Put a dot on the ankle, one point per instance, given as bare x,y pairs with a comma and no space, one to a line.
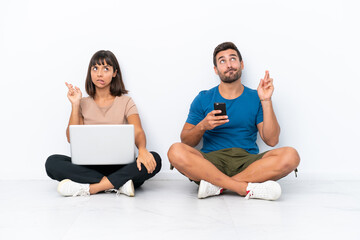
242,188
93,189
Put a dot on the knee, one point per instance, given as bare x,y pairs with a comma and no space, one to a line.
290,159
51,164
56,162
177,154
157,160
174,152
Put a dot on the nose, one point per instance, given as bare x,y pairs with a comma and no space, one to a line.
228,64
99,72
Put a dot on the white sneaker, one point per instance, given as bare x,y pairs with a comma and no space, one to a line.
69,188
126,189
207,189
269,190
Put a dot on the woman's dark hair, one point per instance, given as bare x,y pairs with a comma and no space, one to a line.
117,87
225,46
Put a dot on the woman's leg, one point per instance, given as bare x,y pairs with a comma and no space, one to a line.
59,167
130,171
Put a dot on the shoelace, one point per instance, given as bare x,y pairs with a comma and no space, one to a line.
250,193
117,191
82,193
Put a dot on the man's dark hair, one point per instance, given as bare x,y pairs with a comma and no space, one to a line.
225,46
117,87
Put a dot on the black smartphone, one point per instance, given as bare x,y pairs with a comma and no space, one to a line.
220,106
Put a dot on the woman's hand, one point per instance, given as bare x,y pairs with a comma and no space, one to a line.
146,158
74,94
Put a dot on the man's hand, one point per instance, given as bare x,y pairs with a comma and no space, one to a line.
266,87
146,158
211,121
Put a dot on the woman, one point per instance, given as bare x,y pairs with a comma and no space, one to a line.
106,104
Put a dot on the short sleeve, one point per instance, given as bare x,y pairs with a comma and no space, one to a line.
80,109
83,105
196,113
130,108
259,115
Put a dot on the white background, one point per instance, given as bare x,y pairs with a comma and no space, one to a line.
165,52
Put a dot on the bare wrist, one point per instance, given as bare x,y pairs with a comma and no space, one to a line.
201,126
142,149
75,105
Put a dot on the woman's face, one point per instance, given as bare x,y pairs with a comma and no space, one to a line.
101,75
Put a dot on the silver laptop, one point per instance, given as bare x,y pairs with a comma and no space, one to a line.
102,144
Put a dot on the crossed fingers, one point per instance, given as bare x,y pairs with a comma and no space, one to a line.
72,90
267,81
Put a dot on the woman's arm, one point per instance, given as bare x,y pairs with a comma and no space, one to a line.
74,95
145,157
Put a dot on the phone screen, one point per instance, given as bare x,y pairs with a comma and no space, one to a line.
220,106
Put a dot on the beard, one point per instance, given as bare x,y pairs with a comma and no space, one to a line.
232,77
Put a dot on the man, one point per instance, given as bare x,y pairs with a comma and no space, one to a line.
230,157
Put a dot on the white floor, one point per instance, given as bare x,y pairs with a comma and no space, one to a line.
171,210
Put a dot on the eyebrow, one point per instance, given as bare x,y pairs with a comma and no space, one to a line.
231,55
220,57
97,65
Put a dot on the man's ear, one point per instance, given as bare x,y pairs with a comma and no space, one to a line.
216,71
242,65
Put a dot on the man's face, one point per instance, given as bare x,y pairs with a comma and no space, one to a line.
229,67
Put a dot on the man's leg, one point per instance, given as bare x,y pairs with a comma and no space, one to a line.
192,164
274,165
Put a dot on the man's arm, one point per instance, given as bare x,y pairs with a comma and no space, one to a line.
269,129
192,134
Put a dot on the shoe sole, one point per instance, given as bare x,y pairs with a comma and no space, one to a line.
132,194
201,189
59,186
